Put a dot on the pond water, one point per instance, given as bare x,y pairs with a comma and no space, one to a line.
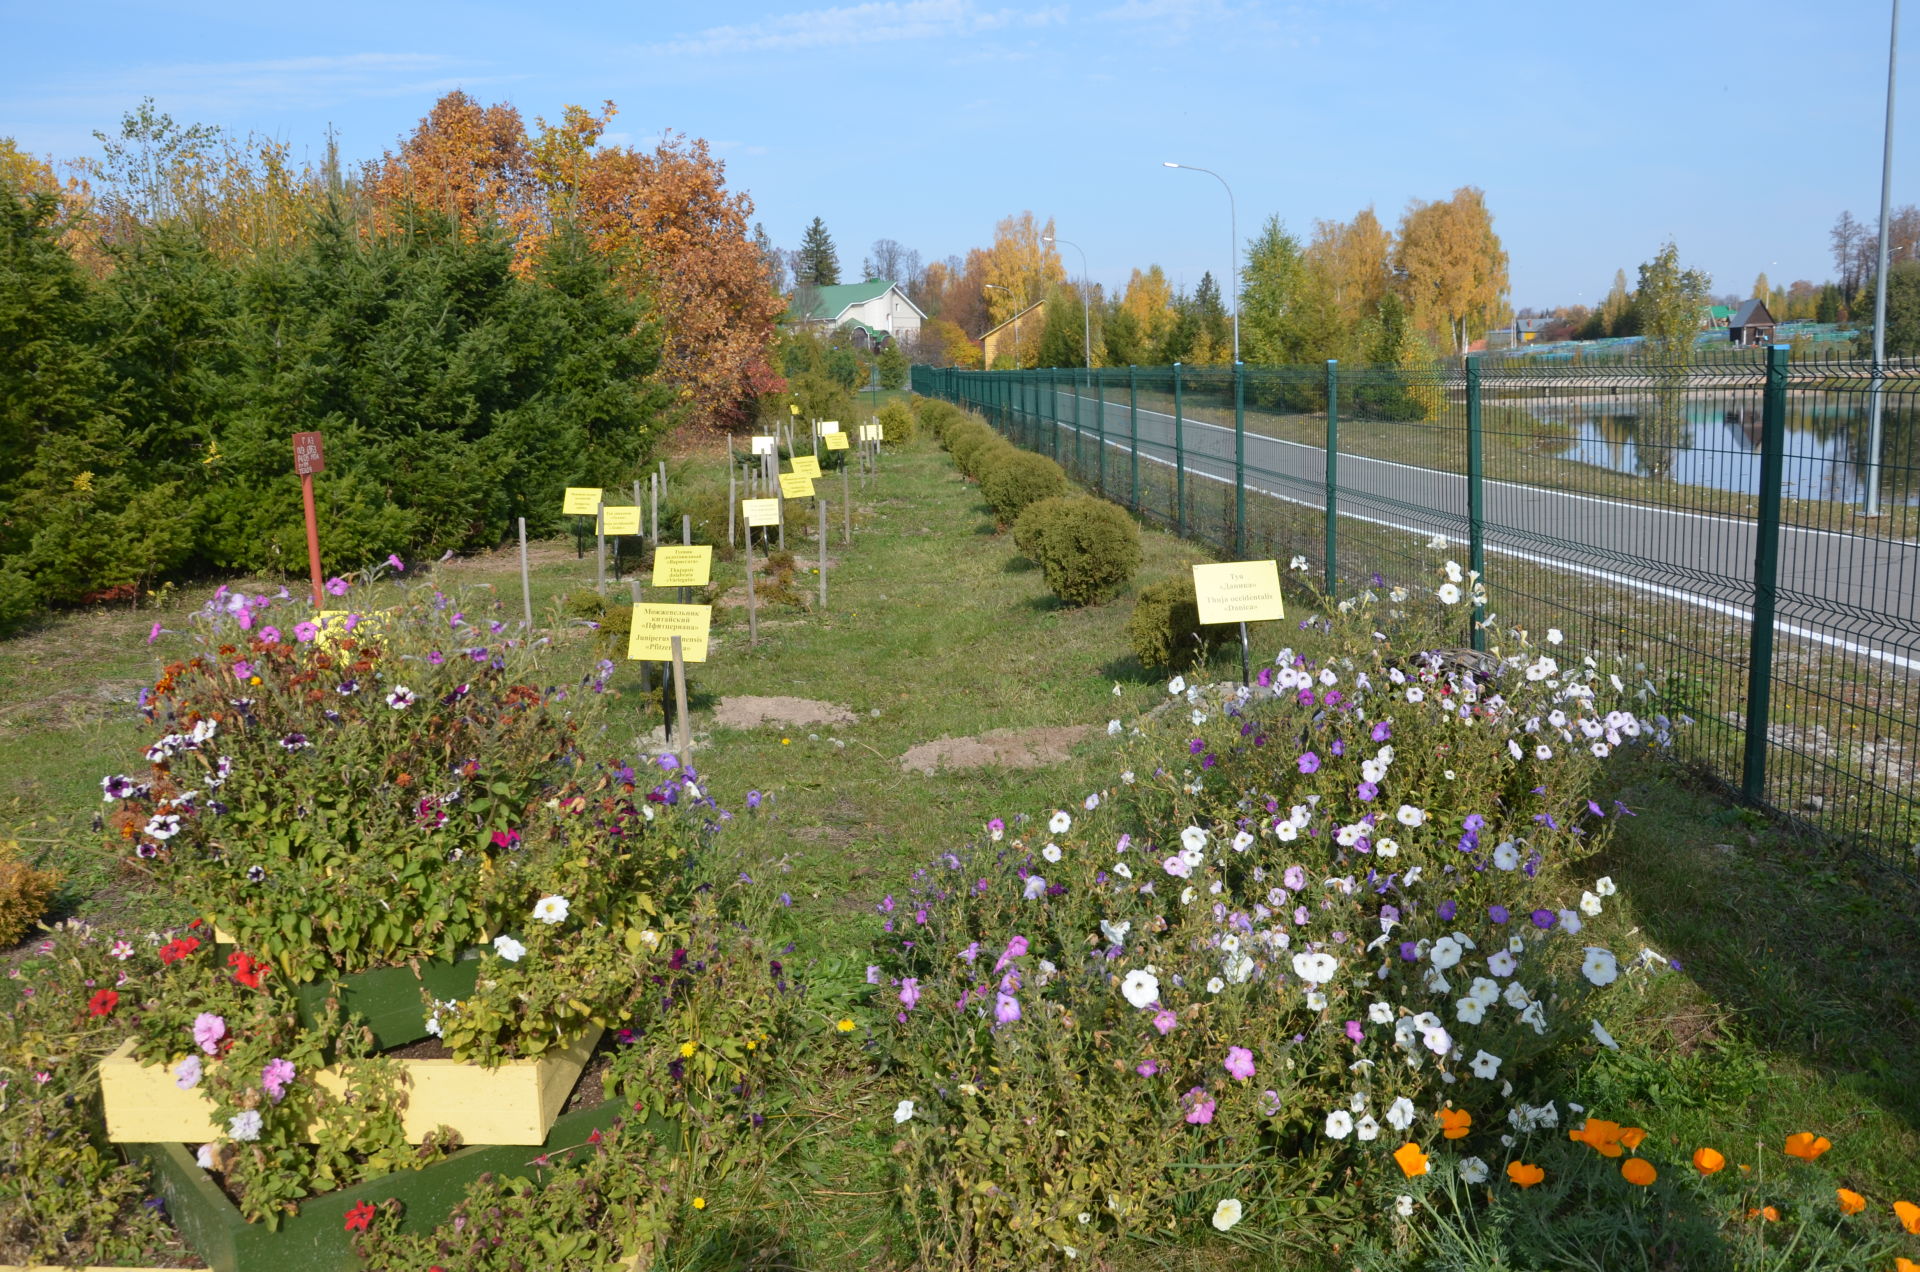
1719,445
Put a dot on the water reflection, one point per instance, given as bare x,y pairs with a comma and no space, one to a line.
1717,444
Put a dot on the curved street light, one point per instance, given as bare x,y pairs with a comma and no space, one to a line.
1086,287
1233,225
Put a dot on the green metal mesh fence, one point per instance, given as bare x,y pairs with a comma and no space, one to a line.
1663,513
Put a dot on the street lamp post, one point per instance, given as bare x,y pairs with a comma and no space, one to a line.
1872,502
1086,287
1017,309
1233,226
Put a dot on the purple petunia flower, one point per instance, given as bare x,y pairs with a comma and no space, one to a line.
1544,919
1446,910
1498,913
1309,763
1382,731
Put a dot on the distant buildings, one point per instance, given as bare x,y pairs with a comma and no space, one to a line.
877,310
999,340
1751,326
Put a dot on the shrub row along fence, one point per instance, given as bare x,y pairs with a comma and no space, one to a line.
1745,531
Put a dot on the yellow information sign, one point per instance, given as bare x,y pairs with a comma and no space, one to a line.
836,441
761,512
793,408
620,520
1238,592
581,501
796,486
766,446
873,433
654,627
682,565
806,465
827,428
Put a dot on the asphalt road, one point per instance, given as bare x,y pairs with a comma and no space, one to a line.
1844,591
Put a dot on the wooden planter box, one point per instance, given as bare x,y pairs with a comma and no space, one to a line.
316,1239
387,998
513,1104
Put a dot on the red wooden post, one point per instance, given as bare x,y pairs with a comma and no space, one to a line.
308,459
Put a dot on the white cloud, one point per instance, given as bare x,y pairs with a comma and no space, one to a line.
1178,13
882,22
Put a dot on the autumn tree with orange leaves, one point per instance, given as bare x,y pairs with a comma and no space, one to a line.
665,219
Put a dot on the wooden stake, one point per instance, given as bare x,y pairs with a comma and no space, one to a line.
823,555
526,584
680,701
600,549
753,618
846,507
732,492
654,481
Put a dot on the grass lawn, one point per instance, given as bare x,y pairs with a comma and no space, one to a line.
1798,1007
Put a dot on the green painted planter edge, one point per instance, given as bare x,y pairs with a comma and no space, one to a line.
316,1239
388,998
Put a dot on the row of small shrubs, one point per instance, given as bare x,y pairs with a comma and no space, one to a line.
1164,630
1087,547
897,423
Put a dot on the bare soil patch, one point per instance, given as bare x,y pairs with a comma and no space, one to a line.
750,712
1005,748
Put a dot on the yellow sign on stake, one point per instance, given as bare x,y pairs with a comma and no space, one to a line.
1239,592
836,441
793,408
620,520
796,486
581,501
806,465
655,626
761,512
682,565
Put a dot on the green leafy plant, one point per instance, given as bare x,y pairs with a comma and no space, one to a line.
24,893
898,422
1089,549
1164,630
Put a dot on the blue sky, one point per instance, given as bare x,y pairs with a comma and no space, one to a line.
1596,129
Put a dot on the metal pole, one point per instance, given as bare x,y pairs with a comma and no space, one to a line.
753,616
1233,228
1133,438
526,583
1333,473
1079,463
1239,460
732,499
1766,573
1179,460
1476,502
1872,508
823,554
1100,427
846,506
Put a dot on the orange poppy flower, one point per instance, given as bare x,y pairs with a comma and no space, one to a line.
1903,1264
1909,1216
1638,1171
1806,1145
1454,1122
1765,1212
1708,1160
1601,1136
1851,1202
1631,1137
1412,1160
1524,1174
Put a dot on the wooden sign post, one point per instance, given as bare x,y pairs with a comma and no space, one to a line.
600,549
837,441
757,512
680,701
1239,592
823,555
308,459
526,584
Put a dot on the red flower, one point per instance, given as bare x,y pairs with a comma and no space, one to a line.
173,951
246,969
103,1003
360,1216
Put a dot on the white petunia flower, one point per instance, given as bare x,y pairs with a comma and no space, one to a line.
1600,967
1380,1013
508,948
1366,1129
1470,1010
1315,969
1339,1124
1177,685
1486,1065
902,1111
1227,1213
1604,1038
1113,728
1215,985
1589,904
1445,953
1604,885
1141,988
1193,839
1400,1114
1554,636
1036,888
1502,963
1506,856
1448,593
1061,822
1388,848
550,910
1410,816
1051,852
1242,841
1473,1171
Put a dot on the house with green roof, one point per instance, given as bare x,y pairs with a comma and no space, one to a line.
877,310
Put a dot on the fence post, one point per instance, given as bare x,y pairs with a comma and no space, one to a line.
1079,435
1179,460
1333,470
1476,503
1133,438
1239,460
1766,574
1100,429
